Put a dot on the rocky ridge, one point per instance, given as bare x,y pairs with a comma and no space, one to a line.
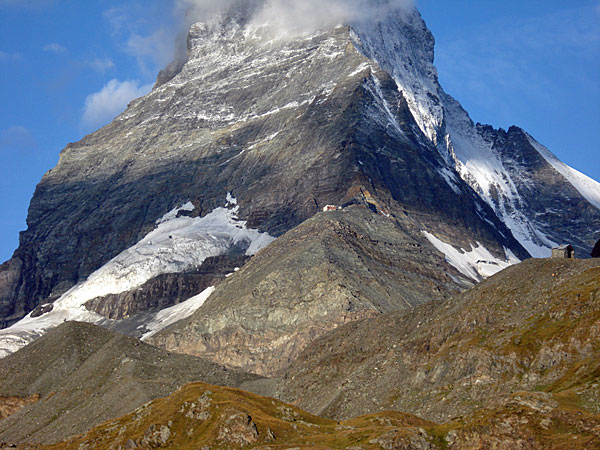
540,199
337,267
534,326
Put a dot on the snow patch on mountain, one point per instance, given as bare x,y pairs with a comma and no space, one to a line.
402,45
30,328
189,207
176,245
175,313
587,187
477,263
451,180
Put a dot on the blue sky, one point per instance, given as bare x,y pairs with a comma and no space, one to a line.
68,66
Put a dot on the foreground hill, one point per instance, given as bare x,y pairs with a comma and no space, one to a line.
533,326
201,416
514,362
82,375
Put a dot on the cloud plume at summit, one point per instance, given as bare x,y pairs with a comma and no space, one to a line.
291,16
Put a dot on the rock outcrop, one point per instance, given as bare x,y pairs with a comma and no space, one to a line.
335,268
235,419
166,290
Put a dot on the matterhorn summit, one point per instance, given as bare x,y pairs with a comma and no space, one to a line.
207,194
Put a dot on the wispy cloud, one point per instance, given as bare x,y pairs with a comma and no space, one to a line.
103,106
290,16
100,64
155,50
30,4
17,138
146,31
118,20
4,56
54,48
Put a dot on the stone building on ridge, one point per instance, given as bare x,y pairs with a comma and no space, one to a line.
563,252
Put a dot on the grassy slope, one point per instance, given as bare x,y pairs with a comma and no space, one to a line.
205,416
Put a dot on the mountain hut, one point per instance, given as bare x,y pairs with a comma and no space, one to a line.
563,252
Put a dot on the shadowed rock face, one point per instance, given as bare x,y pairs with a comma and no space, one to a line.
166,290
10,278
548,200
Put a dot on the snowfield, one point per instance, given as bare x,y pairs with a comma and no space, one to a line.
175,313
177,244
477,263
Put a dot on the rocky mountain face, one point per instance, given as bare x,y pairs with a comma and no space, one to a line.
506,169
246,142
286,126
167,289
545,197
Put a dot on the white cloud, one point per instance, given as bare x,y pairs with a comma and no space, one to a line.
54,48
17,138
103,106
145,31
291,16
